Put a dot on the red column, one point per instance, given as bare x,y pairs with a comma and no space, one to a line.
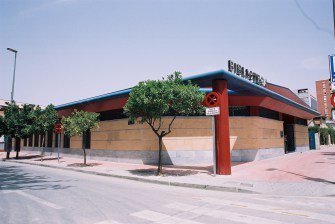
222,137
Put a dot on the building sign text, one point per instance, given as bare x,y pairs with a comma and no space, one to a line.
246,73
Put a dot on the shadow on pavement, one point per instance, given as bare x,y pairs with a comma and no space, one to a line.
83,165
328,153
325,162
166,172
14,178
49,159
29,157
195,168
305,177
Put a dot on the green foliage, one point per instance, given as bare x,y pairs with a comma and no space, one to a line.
152,99
19,122
44,119
79,122
324,136
316,129
331,132
2,126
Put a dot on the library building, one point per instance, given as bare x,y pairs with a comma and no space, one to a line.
257,120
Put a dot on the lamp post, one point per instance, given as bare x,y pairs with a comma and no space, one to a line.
7,139
12,93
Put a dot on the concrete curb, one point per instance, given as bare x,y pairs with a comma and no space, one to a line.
145,180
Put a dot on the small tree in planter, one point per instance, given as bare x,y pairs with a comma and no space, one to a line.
78,123
150,100
19,124
45,120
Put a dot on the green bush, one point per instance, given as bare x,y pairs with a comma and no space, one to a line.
324,132
316,129
331,131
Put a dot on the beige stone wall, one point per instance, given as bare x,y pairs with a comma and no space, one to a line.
256,132
301,135
118,135
251,133
190,133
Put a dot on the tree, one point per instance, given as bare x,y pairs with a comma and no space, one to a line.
2,126
19,123
44,121
150,100
78,124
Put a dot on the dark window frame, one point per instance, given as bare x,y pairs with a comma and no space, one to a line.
66,141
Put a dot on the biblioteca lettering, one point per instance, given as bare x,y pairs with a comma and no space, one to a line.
246,73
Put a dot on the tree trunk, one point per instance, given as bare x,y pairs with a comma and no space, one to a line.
84,147
42,152
17,147
160,142
7,146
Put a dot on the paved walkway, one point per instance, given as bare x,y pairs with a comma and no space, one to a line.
311,173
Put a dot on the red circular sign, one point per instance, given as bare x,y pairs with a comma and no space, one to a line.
332,99
212,99
58,128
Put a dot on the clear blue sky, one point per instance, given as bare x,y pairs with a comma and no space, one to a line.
74,49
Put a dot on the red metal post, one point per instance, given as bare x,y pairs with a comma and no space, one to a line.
222,137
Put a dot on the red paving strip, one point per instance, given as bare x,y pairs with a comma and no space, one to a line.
297,167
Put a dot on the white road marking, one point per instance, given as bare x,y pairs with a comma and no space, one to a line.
108,222
181,206
313,205
222,215
150,215
38,200
267,208
161,218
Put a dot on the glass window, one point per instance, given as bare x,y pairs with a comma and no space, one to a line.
267,113
66,143
25,142
36,140
239,111
301,121
56,140
88,139
49,143
30,141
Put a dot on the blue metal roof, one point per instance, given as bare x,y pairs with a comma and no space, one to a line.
236,86
244,87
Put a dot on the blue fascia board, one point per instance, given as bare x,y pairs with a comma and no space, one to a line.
124,92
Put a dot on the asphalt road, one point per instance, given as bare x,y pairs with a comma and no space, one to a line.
34,194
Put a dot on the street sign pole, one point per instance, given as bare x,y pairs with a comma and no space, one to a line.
212,100
58,145
58,130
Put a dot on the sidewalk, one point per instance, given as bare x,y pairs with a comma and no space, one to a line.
311,173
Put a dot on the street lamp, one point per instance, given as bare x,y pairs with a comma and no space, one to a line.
7,139
12,93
